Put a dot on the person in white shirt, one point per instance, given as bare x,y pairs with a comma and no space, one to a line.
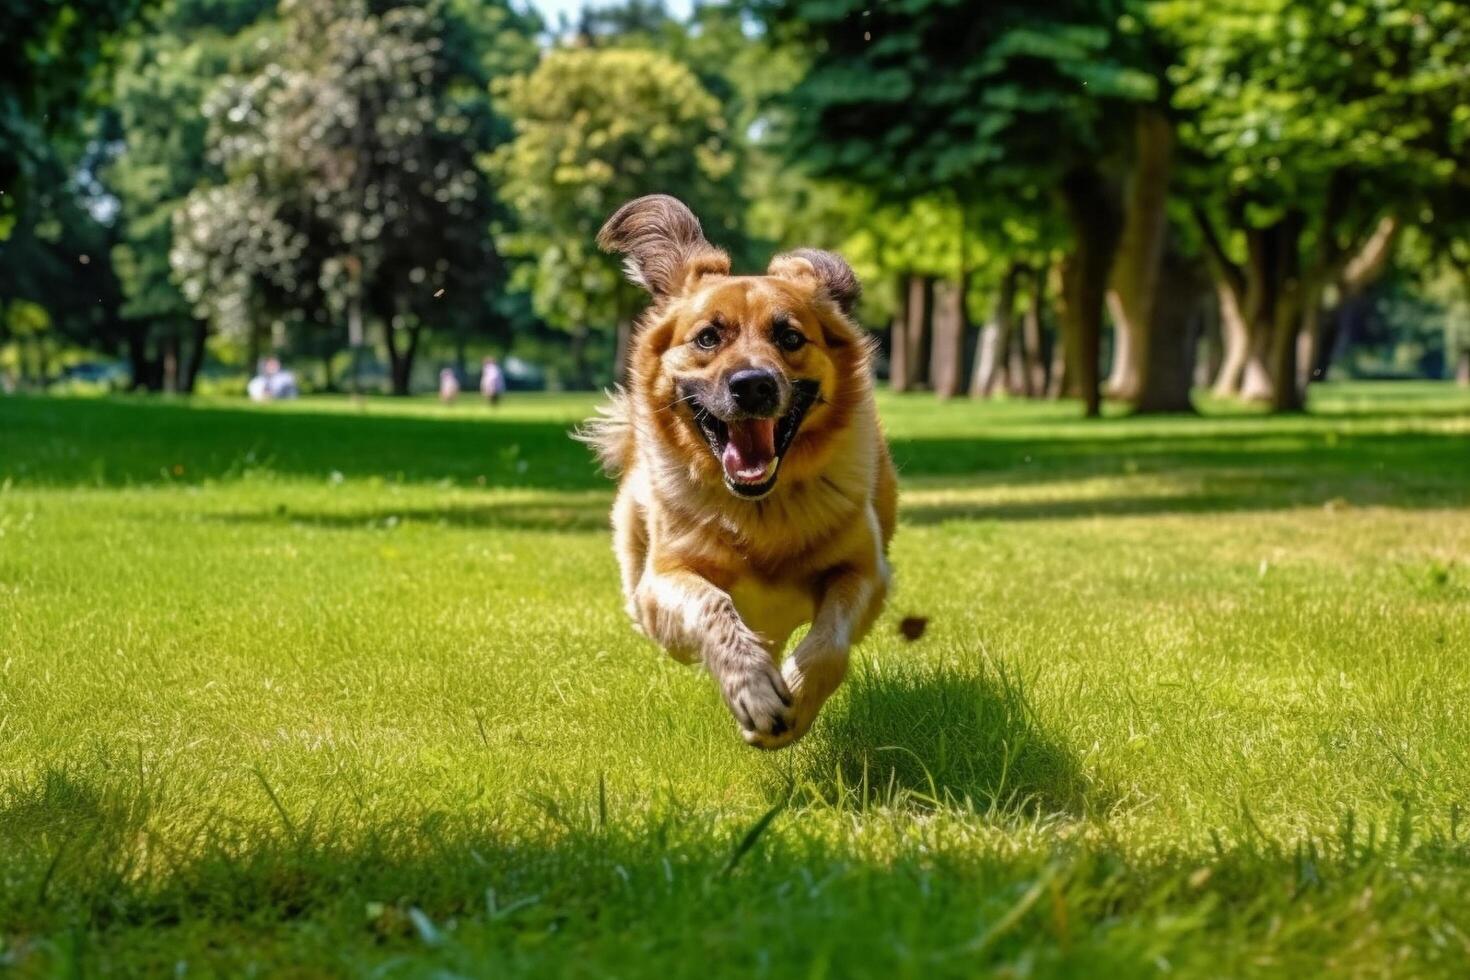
492,381
272,383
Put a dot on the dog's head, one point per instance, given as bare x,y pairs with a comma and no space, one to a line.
749,377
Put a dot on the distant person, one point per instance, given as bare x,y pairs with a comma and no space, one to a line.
258,388
448,386
272,383
492,381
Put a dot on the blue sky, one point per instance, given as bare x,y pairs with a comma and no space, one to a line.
550,9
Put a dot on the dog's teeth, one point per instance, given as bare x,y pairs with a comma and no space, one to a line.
758,474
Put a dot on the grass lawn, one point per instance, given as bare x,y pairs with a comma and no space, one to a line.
319,689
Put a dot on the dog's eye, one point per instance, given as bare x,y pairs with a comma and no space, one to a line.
791,339
708,338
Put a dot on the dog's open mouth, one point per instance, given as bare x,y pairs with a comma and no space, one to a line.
750,449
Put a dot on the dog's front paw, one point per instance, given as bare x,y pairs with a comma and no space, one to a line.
811,674
761,703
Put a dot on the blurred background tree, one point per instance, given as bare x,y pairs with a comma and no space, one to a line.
595,127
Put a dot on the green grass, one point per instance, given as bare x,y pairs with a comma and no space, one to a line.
320,689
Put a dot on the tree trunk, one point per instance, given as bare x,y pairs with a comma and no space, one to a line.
989,352
1020,350
1093,216
355,337
1033,362
147,375
1208,359
171,363
1152,359
1122,381
919,333
898,340
911,319
1309,341
1321,328
1281,311
1059,384
1255,383
1169,339
950,326
198,347
1258,301
1234,342
400,359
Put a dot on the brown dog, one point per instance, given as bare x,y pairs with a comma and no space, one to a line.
756,492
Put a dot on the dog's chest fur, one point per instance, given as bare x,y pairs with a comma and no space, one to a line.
772,608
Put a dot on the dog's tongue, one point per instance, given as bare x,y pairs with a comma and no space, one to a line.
751,448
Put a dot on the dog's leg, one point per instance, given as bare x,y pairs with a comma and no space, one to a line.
630,544
850,601
691,617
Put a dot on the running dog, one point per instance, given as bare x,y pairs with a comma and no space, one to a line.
755,489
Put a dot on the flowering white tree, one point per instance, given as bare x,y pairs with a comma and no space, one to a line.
360,137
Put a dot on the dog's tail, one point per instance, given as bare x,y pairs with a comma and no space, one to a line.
610,433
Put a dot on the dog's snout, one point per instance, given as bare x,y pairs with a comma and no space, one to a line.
755,391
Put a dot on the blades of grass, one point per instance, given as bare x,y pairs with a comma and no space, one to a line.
752,835
602,801
51,870
276,801
425,927
1014,914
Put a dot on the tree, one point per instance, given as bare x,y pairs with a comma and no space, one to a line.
53,54
360,137
56,283
985,102
595,127
159,87
1308,123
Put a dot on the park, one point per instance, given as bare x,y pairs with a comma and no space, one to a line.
735,488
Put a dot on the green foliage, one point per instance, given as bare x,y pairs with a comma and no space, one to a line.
595,127
162,79
930,96
56,255
351,191
52,54
1277,96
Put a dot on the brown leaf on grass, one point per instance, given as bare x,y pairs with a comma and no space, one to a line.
912,627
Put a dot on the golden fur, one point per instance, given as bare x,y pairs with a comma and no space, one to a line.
709,574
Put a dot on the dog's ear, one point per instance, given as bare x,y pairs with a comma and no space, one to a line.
828,271
666,251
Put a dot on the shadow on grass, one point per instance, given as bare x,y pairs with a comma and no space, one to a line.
565,515
1270,457
126,441
939,737
101,877
1241,462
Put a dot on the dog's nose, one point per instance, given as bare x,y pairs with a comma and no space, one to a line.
755,391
